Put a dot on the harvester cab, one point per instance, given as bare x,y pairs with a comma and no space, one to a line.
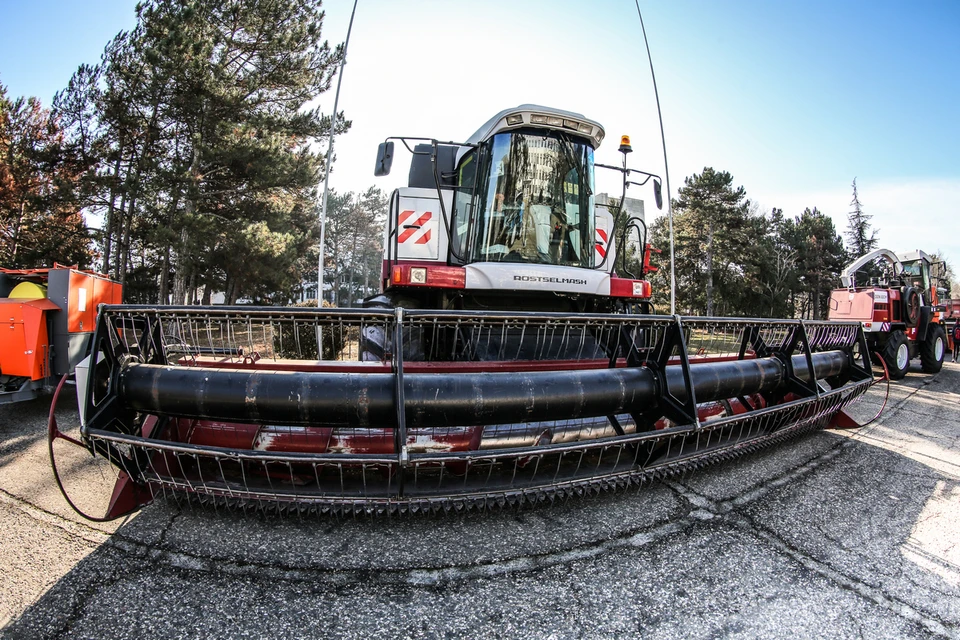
509,219
899,308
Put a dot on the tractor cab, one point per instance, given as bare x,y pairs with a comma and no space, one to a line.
917,274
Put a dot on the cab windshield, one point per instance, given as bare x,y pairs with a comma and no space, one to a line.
532,201
917,274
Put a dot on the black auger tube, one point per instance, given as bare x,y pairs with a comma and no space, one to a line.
367,400
438,399
732,378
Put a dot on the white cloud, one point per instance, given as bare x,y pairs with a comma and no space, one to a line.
908,213
442,69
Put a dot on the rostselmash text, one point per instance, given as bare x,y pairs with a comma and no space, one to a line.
549,279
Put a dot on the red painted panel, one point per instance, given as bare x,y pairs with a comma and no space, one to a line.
106,292
86,292
24,343
80,307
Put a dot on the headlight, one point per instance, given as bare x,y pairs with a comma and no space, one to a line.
418,275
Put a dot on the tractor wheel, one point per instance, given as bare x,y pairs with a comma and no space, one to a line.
932,350
896,354
376,346
375,343
911,306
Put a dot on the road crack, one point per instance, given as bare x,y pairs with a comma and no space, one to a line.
730,511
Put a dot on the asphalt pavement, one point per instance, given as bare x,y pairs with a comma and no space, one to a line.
832,535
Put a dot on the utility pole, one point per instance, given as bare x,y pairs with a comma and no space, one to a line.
666,170
326,180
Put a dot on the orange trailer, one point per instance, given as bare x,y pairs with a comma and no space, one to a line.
47,317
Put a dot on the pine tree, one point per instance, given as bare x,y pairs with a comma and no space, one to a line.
862,239
199,123
775,268
711,223
819,258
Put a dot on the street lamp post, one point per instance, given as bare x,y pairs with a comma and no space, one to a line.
326,180
666,170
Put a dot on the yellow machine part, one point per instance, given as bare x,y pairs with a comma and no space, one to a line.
28,291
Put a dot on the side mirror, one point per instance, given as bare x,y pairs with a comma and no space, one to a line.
657,193
384,159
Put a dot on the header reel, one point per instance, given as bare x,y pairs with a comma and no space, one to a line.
454,410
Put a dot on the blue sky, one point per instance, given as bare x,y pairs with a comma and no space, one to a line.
794,99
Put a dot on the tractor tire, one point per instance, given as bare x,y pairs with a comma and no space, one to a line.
374,345
911,306
896,355
377,346
933,349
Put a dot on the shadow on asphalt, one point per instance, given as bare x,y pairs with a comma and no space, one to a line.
23,424
25,472
853,522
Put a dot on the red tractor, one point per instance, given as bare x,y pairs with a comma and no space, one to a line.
900,312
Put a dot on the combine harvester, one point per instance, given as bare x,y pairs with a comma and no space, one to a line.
901,312
510,358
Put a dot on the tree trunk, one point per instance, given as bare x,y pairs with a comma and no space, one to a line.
190,207
180,275
108,223
120,216
231,293
21,212
163,297
352,285
710,268
816,298
123,250
366,277
123,254
165,273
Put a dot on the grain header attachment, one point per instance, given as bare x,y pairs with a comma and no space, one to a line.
240,406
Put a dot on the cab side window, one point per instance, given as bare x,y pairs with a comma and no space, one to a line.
464,204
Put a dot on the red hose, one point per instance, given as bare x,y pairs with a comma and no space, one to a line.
53,432
886,396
